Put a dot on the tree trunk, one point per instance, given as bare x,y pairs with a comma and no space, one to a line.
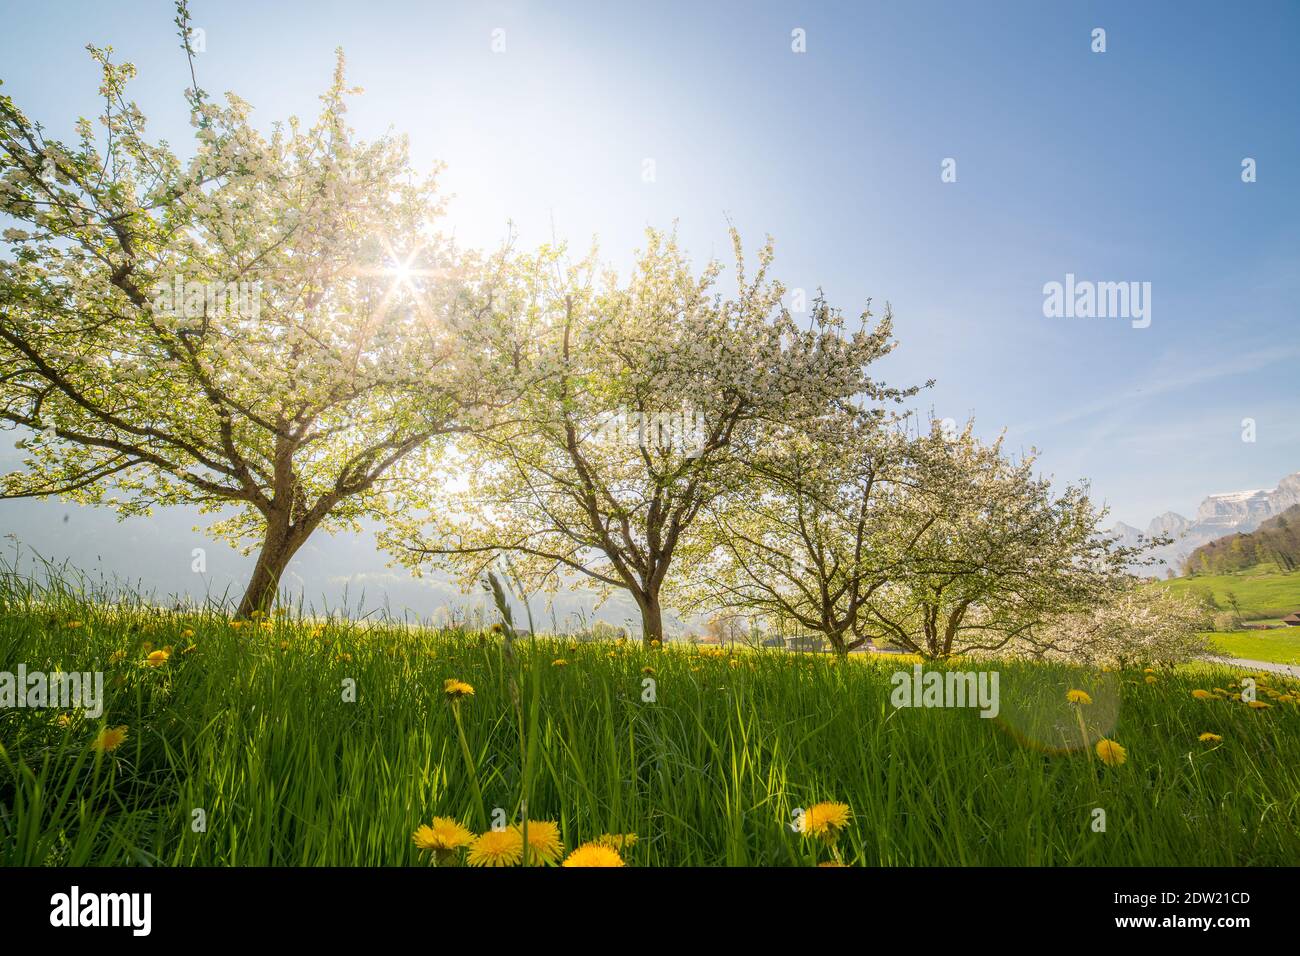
652,618
278,548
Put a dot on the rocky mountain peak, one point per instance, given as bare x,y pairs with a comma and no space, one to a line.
1218,515
1170,523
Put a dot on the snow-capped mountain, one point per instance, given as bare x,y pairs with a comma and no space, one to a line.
1218,515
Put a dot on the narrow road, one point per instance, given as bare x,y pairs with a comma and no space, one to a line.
1290,670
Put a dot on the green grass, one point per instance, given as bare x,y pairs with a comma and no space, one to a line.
1277,646
252,728
1262,596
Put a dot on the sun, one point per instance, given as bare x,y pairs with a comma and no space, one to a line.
403,272
398,266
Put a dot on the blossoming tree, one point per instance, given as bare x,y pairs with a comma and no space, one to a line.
269,327
1003,554
1138,624
654,393
817,527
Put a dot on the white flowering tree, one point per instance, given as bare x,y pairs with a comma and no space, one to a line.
269,327
1137,625
656,391
819,525
1000,553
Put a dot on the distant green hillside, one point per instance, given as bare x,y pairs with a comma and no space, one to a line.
1274,544
1253,595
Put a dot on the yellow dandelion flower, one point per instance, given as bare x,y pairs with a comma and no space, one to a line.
64,720
1208,738
1259,704
497,848
1078,697
1202,694
236,625
109,739
544,843
1150,679
116,657
1148,670
456,689
73,625
825,820
188,632
559,662
158,658
656,643
594,854
443,835
1111,753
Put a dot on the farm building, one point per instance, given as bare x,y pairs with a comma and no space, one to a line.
806,642
1292,620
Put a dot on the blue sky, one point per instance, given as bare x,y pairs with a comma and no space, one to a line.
1115,166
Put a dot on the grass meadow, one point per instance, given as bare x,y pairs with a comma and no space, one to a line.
1276,646
1263,594
705,755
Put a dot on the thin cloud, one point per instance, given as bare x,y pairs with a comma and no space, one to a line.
1240,365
